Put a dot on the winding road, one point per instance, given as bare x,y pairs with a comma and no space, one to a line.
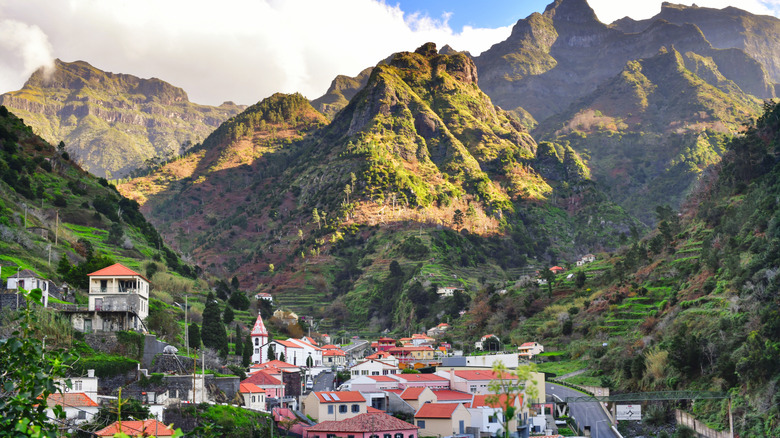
585,413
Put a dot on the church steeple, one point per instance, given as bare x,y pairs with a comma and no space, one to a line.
259,338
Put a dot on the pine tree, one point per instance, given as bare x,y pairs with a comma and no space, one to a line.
247,356
239,342
227,315
193,333
213,331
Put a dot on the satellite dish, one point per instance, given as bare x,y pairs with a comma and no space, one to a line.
170,349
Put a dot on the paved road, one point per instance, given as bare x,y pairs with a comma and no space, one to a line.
324,381
586,414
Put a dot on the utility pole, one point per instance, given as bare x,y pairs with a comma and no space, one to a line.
57,229
186,327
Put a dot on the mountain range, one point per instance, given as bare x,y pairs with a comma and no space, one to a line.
113,124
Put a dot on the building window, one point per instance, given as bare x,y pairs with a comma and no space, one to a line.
473,389
330,409
492,419
350,436
342,409
399,435
257,341
364,372
82,415
421,424
387,435
374,373
331,435
77,386
355,408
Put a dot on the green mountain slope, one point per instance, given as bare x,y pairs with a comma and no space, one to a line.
725,28
316,212
552,59
650,131
111,123
693,306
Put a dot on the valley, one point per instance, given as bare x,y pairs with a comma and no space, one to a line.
607,190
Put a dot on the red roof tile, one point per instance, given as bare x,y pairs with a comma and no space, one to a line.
262,378
450,395
333,353
436,410
75,399
248,387
421,378
373,422
478,374
482,401
136,428
412,393
382,378
339,396
116,270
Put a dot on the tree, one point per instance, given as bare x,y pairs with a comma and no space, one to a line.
579,280
193,333
234,282
246,358
457,218
227,315
213,331
27,376
509,388
272,352
315,216
281,356
549,276
239,342
239,300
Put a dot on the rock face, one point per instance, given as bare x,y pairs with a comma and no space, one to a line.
756,35
112,123
552,59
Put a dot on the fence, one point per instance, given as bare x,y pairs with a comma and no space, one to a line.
686,419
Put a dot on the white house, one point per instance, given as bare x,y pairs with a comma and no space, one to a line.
530,349
587,258
373,367
87,385
253,395
118,300
77,406
265,296
29,280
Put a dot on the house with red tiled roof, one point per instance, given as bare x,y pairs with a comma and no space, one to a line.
375,424
371,367
370,383
78,406
265,380
442,419
334,358
452,396
383,356
471,381
152,428
487,414
419,380
417,396
384,343
253,395
118,300
333,405
409,355
438,330
557,270
530,349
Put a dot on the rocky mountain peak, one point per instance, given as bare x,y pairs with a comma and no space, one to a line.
427,61
572,11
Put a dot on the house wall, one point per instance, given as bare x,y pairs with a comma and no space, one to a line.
406,433
487,361
440,427
259,401
319,411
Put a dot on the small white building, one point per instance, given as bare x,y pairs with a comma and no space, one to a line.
530,349
265,296
253,395
87,385
373,367
77,406
29,280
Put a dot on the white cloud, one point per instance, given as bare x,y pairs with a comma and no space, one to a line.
240,50
23,48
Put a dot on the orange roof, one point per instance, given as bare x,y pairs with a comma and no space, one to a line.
527,344
436,410
289,344
379,355
382,378
333,353
278,364
450,395
421,378
249,387
76,399
373,410
136,428
412,393
373,421
478,375
340,396
330,347
117,270
262,378
385,339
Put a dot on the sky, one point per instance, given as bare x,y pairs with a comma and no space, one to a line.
246,50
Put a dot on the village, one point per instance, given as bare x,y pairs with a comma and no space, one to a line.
393,388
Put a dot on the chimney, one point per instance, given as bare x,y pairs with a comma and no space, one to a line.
90,373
